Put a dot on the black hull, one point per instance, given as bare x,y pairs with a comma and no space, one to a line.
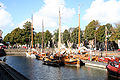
53,63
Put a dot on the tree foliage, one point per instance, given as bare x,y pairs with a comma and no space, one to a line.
14,36
56,33
90,30
115,35
47,37
66,36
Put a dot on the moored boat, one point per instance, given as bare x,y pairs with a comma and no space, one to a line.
56,61
31,53
73,61
113,69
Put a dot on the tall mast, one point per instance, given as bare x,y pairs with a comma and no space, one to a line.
79,29
106,39
59,42
32,31
42,35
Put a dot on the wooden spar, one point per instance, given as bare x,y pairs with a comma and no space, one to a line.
79,29
59,42
106,39
42,35
32,31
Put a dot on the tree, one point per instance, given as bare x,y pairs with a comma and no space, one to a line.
90,30
47,37
7,38
115,35
74,36
66,36
56,33
14,37
100,34
38,37
26,33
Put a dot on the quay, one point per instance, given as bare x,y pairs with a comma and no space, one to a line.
20,52
8,73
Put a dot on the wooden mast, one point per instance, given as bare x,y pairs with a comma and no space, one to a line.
106,39
79,29
42,35
32,31
59,42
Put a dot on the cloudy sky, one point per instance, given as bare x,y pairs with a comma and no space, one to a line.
14,13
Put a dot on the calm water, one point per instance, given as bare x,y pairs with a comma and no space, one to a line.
35,70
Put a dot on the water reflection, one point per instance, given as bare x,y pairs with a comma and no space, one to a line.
35,70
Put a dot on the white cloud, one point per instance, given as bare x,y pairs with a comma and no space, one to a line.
49,13
5,17
104,11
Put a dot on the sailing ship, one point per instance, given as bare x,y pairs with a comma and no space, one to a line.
42,54
57,59
71,60
31,52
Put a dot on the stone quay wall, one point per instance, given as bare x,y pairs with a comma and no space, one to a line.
15,51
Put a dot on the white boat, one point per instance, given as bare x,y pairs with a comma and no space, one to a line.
30,54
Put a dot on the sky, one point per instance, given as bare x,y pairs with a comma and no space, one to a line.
14,13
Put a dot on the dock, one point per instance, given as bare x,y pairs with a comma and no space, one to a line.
8,73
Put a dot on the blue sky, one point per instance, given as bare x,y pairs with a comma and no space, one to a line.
14,13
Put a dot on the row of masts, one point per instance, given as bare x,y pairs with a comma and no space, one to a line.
59,37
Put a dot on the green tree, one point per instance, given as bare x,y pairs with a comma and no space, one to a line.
14,37
90,30
26,33
56,33
100,34
38,37
115,35
7,38
66,36
74,36
47,37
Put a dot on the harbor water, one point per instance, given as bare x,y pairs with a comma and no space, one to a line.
33,69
